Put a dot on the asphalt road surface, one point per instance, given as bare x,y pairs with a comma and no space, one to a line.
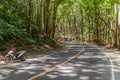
73,63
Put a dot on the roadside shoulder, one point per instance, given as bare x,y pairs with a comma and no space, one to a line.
114,54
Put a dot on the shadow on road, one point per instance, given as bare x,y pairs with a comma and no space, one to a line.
90,65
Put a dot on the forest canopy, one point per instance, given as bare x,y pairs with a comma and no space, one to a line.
35,21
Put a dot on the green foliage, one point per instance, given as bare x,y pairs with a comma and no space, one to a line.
11,32
29,40
76,17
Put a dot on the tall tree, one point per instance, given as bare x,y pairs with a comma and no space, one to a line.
29,17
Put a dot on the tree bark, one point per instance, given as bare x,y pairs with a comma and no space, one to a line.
116,31
119,24
29,17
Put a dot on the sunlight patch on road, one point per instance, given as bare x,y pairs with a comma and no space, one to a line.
1,77
70,75
98,78
52,76
25,71
84,78
29,67
6,71
87,70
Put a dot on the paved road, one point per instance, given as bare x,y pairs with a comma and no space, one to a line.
91,64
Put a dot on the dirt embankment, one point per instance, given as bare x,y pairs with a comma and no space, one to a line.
33,50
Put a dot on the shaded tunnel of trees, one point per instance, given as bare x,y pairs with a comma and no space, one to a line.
35,21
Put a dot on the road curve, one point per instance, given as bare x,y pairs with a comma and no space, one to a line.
90,64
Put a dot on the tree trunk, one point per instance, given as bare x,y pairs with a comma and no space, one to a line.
55,7
96,33
54,20
29,17
119,24
116,31
46,17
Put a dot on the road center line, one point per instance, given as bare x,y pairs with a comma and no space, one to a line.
57,66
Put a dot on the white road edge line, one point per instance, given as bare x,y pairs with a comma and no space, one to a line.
111,62
112,69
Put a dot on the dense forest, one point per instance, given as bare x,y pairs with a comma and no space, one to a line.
41,21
